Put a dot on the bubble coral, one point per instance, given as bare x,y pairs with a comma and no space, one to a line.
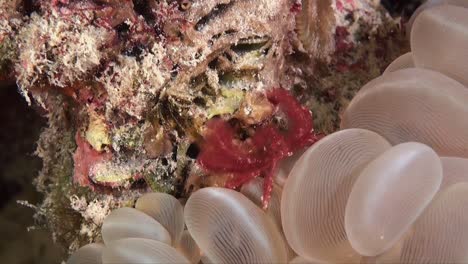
426,104
317,189
226,224
388,185
149,234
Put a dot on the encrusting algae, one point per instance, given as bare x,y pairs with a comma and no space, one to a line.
133,91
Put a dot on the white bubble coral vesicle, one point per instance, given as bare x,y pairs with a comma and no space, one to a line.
165,209
402,62
89,254
455,171
254,191
440,234
414,105
316,192
229,228
301,260
391,256
389,195
430,4
189,247
141,251
439,41
285,167
131,223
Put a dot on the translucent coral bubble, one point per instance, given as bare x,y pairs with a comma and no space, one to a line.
440,234
301,260
89,254
285,166
455,171
229,228
165,209
432,3
205,260
254,191
189,248
439,41
391,256
402,62
141,251
389,195
131,223
414,105
315,195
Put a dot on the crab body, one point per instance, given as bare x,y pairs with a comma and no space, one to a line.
259,154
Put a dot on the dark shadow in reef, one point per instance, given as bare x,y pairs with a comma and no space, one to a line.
19,131
403,8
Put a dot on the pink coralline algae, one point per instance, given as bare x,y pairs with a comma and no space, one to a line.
341,5
84,158
296,7
224,153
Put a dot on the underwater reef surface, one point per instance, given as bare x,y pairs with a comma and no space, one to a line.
128,89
